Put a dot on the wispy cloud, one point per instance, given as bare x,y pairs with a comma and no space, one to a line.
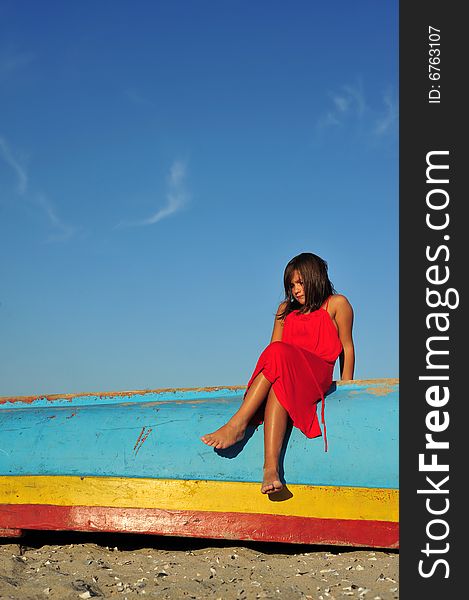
12,60
176,198
355,98
8,157
329,119
61,231
341,103
348,102
348,106
389,115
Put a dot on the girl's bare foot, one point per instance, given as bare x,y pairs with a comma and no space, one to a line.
224,437
271,482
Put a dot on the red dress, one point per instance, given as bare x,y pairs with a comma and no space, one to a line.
300,367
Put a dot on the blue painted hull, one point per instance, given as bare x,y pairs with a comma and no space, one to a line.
156,435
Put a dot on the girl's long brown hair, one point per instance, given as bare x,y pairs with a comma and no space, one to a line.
317,285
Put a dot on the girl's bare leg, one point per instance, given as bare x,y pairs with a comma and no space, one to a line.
233,431
275,426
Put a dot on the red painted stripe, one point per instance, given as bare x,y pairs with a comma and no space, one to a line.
233,526
8,533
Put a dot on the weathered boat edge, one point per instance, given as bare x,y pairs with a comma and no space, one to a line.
201,524
382,384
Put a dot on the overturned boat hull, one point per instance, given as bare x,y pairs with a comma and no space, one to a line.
134,462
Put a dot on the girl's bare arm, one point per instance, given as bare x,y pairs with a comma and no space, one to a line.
344,318
278,325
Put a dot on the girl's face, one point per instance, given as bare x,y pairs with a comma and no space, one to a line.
297,287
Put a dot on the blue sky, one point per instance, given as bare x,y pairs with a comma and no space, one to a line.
161,162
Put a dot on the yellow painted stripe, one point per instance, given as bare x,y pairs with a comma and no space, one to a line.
325,502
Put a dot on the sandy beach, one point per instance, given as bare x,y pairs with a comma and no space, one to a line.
77,566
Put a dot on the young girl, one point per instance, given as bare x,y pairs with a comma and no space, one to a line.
312,328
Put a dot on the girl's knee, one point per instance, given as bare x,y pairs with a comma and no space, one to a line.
277,348
277,344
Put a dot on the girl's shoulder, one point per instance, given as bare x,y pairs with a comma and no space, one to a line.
282,306
338,299
339,302
281,310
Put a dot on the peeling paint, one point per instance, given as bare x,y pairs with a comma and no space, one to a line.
70,397
140,439
174,393
380,390
356,382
